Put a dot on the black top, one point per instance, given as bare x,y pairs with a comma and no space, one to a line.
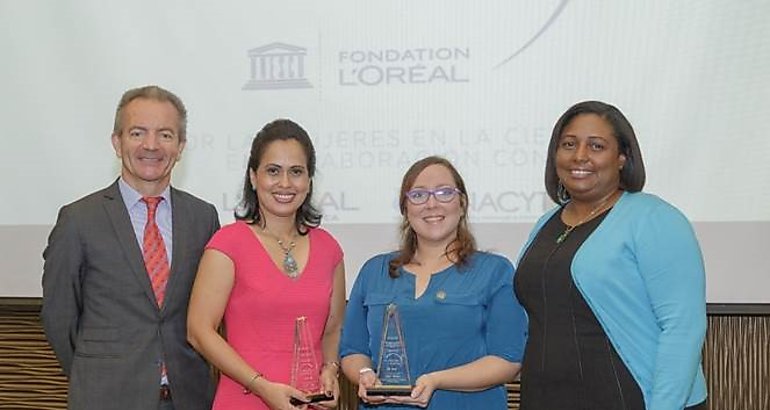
569,363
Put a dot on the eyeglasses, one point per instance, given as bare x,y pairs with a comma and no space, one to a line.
420,196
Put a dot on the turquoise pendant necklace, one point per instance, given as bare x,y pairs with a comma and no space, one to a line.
289,263
290,266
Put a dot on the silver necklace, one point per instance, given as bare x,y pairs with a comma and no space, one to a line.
563,236
290,266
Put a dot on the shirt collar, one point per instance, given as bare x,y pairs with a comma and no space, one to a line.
131,196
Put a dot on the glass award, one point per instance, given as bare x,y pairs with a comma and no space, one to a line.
304,367
393,365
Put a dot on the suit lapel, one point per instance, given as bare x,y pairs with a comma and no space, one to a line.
121,223
178,223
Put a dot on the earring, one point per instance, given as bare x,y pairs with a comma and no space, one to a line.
561,194
628,166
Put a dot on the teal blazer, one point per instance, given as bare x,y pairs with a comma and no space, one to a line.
641,272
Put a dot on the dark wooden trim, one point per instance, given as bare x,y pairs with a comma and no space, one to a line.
712,309
18,304
738,309
20,301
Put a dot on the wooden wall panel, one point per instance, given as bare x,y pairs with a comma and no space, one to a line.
736,362
30,376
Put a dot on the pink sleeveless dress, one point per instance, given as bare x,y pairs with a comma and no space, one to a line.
264,303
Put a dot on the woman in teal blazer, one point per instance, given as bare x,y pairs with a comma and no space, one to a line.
612,280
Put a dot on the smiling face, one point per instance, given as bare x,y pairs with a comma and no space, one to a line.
588,159
281,179
148,145
435,222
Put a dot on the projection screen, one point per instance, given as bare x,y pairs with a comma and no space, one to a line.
379,85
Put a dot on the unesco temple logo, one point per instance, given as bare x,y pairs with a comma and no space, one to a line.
277,66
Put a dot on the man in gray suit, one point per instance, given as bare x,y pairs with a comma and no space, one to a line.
119,267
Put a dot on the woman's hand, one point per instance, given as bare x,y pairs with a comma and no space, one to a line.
278,395
330,385
365,380
423,389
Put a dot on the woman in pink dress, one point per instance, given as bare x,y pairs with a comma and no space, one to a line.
262,272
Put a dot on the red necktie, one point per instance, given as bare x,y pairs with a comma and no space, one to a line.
154,251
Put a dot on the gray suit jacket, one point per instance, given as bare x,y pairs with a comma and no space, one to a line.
99,310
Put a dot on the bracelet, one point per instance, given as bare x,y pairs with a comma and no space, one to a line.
364,370
250,382
334,363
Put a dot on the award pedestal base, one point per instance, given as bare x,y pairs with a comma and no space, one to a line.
389,390
313,398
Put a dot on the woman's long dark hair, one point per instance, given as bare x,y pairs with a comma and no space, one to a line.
279,130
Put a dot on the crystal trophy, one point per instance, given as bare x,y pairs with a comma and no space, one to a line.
304,367
393,365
